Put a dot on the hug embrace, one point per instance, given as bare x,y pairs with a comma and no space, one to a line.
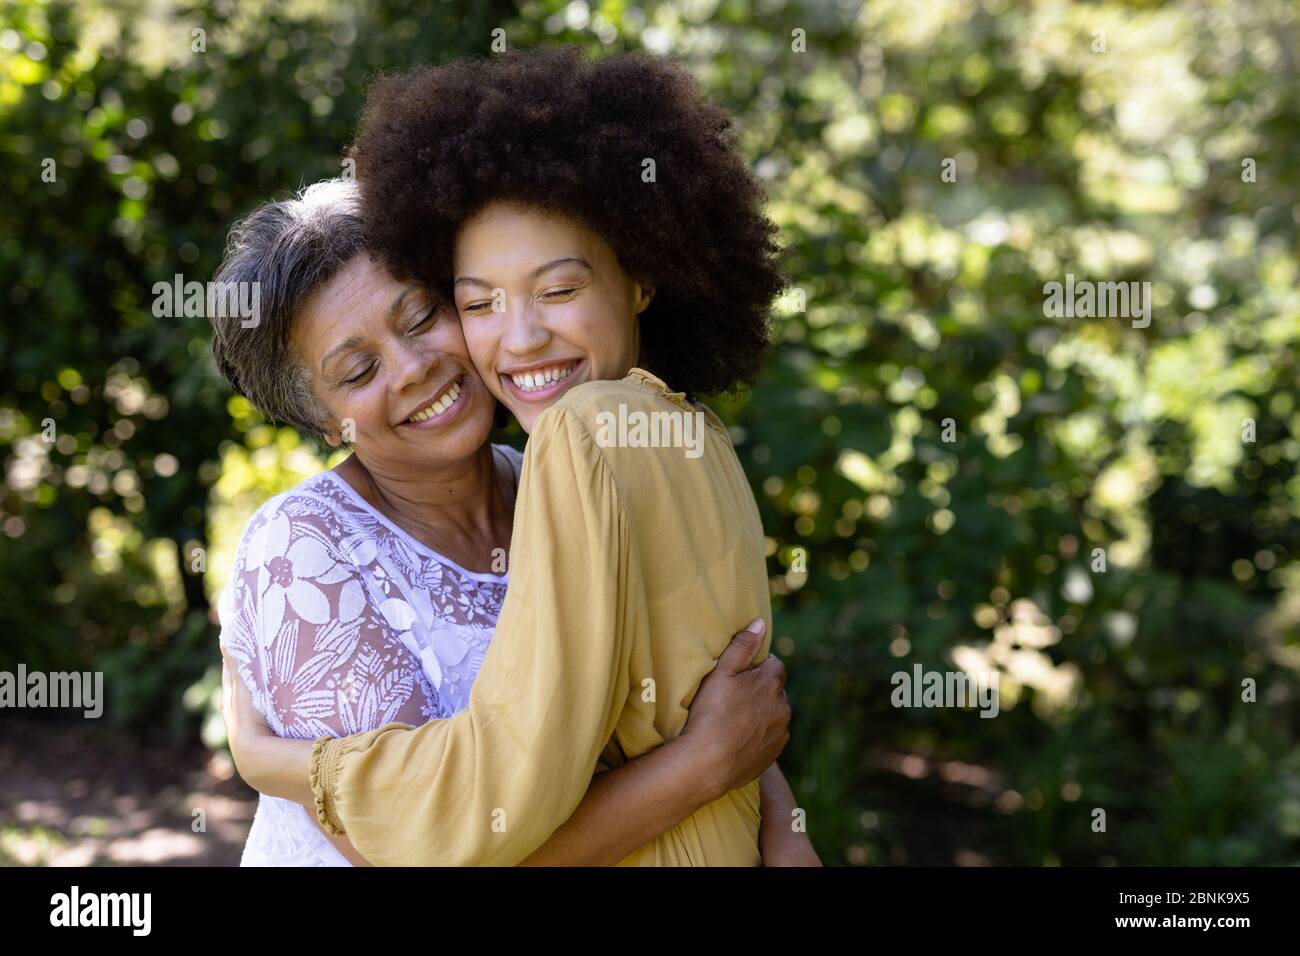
442,652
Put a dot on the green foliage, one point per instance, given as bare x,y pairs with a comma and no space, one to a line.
947,457
157,148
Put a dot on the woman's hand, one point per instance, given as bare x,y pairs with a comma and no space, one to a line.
739,720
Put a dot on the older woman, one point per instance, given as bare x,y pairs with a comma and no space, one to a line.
367,595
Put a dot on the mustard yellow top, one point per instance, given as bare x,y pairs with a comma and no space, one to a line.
630,569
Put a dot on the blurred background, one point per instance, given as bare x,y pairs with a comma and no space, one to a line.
937,462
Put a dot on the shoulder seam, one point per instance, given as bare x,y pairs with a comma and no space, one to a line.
567,415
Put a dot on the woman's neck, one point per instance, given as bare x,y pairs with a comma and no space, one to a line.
463,511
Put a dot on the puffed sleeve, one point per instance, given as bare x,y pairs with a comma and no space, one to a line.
489,785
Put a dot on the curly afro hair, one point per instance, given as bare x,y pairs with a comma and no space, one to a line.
554,129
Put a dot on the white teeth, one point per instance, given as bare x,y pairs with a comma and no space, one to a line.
447,399
532,381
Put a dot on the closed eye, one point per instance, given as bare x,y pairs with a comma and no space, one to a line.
359,376
559,293
426,321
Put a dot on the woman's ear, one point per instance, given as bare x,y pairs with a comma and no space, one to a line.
645,292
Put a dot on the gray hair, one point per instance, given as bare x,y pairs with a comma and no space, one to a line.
291,248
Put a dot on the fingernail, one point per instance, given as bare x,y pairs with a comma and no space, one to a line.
758,627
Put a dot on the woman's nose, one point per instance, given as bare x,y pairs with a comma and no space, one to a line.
524,333
414,364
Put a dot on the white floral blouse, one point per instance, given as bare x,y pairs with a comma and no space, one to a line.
340,622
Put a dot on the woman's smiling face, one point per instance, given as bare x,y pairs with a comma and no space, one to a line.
544,305
383,355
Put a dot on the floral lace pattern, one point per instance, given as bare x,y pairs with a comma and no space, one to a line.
340,622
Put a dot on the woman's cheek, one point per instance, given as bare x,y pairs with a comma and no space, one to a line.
449,338
612,336
367,408
482,354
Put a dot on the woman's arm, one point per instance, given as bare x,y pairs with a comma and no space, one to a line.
343,845
737,725
279,667
738,714
778,840
577,632
489,785
275,766
245,723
